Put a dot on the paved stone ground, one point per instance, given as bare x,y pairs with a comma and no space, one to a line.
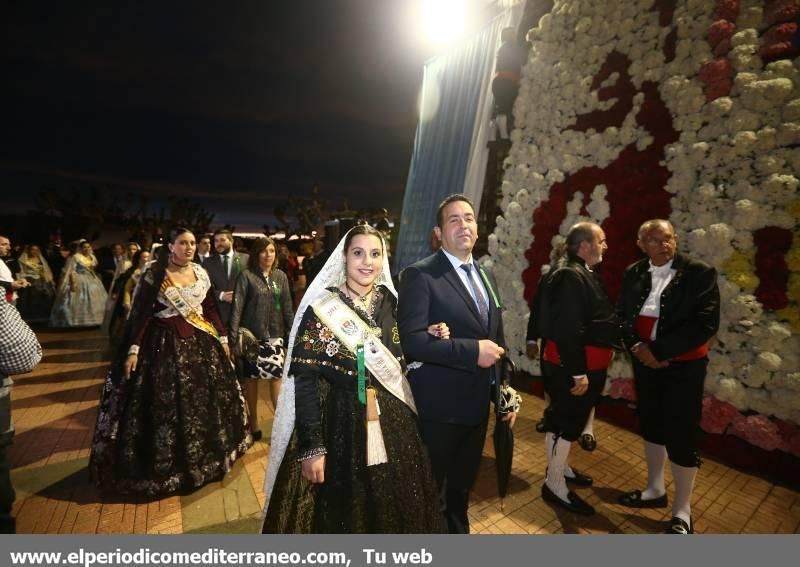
55,406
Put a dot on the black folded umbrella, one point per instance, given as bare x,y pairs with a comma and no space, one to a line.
507,400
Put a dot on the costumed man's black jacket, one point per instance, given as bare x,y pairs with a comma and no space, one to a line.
689,310
574,311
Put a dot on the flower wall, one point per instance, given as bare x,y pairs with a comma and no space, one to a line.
680,109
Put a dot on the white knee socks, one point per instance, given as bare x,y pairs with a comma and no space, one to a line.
656,456
589,427
557,453
684,484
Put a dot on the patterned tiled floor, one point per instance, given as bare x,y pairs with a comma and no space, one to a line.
55,406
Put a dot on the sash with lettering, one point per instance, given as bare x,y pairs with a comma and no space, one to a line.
351,330
195,319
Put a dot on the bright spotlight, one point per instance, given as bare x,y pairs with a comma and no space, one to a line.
442,22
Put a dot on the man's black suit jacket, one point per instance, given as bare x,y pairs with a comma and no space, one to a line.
449,387
220,281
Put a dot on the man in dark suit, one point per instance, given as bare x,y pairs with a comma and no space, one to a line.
669,307
578,327
203,250
109,260
223,268
452,378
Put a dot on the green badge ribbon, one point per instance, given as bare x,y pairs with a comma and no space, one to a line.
362,375
276,294
490,288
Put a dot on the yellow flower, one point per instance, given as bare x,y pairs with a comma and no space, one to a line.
790,315
739,269
793,288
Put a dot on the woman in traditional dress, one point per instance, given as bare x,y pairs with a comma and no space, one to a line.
81,297
36,300
172,416
260,321
352,461
117,282
127,284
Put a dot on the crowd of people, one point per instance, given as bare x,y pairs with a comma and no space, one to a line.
381,393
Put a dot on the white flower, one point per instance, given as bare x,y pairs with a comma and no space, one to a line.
769,361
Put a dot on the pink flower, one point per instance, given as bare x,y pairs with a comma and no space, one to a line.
717,415
757,430
622,388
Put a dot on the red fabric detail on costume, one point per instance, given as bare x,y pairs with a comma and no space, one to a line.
644,329
597,358
9,296
510,75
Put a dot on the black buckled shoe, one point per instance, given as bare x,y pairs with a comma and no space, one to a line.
587,442
633,499
579,479
678,527
576,504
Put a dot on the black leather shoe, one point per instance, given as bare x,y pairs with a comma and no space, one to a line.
634,499
541,425
579,479
576,504
257,435
587,442
679,527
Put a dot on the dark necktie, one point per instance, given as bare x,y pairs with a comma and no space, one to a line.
225,264
483,308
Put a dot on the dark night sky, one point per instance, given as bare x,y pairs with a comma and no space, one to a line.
237,104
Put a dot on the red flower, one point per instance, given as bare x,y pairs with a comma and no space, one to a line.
778,51
780,11
757,430
773,243
722,48
622,388
780,33
727,10
717,415
717,89
790,434
715,70
719,31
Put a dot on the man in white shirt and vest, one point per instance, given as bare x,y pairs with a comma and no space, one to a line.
669,307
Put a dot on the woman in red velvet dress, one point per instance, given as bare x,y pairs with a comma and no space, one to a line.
172,416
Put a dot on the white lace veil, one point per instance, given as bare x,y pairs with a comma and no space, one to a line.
331,275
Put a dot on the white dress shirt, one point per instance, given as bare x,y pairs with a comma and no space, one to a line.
660,278
463,275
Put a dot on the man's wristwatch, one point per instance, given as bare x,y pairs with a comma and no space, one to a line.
635,348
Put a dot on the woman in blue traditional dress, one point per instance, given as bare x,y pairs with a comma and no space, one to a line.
81,297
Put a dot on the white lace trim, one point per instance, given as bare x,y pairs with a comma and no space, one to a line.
193,294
